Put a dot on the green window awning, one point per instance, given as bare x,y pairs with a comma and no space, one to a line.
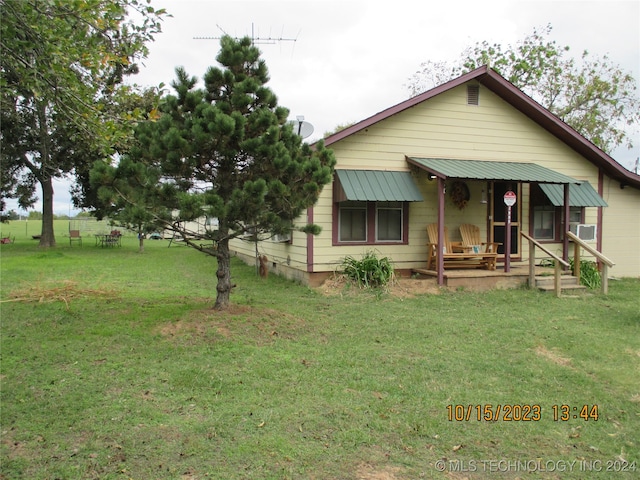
376,186
583,195
490,170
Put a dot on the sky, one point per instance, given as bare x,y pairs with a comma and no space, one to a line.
339,62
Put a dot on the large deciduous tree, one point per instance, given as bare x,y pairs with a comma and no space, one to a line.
593,95
226,151
62,67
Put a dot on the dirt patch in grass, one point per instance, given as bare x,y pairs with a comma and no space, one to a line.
14,448
402,287
260,325
552,356
632,352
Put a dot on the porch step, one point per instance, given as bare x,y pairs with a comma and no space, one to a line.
546,283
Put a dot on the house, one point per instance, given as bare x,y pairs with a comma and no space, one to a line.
449,156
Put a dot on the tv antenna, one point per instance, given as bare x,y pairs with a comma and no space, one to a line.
254,40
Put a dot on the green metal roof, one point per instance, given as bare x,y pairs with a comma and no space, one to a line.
490,170
582,195
378,186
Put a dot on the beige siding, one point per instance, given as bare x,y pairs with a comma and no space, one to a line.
293,254
446,127
621,229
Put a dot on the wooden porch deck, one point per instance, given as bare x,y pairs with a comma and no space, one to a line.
479,279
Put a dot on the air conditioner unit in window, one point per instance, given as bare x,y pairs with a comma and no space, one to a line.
583,231
279,238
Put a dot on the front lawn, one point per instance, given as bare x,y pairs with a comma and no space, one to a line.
114,366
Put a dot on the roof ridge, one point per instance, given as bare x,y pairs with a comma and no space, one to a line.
519,100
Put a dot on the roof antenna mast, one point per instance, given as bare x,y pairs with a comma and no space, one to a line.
254,40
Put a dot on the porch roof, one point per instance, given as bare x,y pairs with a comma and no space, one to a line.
583,195
491,170
377,186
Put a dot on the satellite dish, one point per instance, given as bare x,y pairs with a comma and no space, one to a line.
302,128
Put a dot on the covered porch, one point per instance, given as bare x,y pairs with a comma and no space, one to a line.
558,278
500,178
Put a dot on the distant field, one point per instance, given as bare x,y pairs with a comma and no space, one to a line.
25,229
114,366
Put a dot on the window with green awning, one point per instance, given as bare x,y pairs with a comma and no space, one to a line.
376,186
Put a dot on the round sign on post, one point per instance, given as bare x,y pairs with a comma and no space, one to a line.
509,199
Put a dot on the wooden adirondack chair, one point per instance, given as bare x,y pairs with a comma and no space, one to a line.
455,254
471,239
432,233
452,250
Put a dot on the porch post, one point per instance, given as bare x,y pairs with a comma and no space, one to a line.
439,256
565,245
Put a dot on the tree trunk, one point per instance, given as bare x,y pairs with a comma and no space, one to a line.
47,238
224,276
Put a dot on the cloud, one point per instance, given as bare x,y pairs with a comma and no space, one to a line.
351,59
341,62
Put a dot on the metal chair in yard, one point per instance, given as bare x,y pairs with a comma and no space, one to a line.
74,236
115,238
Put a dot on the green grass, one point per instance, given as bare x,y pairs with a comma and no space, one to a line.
114,366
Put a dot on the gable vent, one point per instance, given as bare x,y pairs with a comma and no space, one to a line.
473,94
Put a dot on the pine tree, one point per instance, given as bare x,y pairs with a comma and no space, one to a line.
227,151
124,197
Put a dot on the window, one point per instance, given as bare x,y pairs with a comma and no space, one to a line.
547,219
370,222
389,222
575,215
353,222
544,222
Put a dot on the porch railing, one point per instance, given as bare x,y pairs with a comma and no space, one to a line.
558,263
606,263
